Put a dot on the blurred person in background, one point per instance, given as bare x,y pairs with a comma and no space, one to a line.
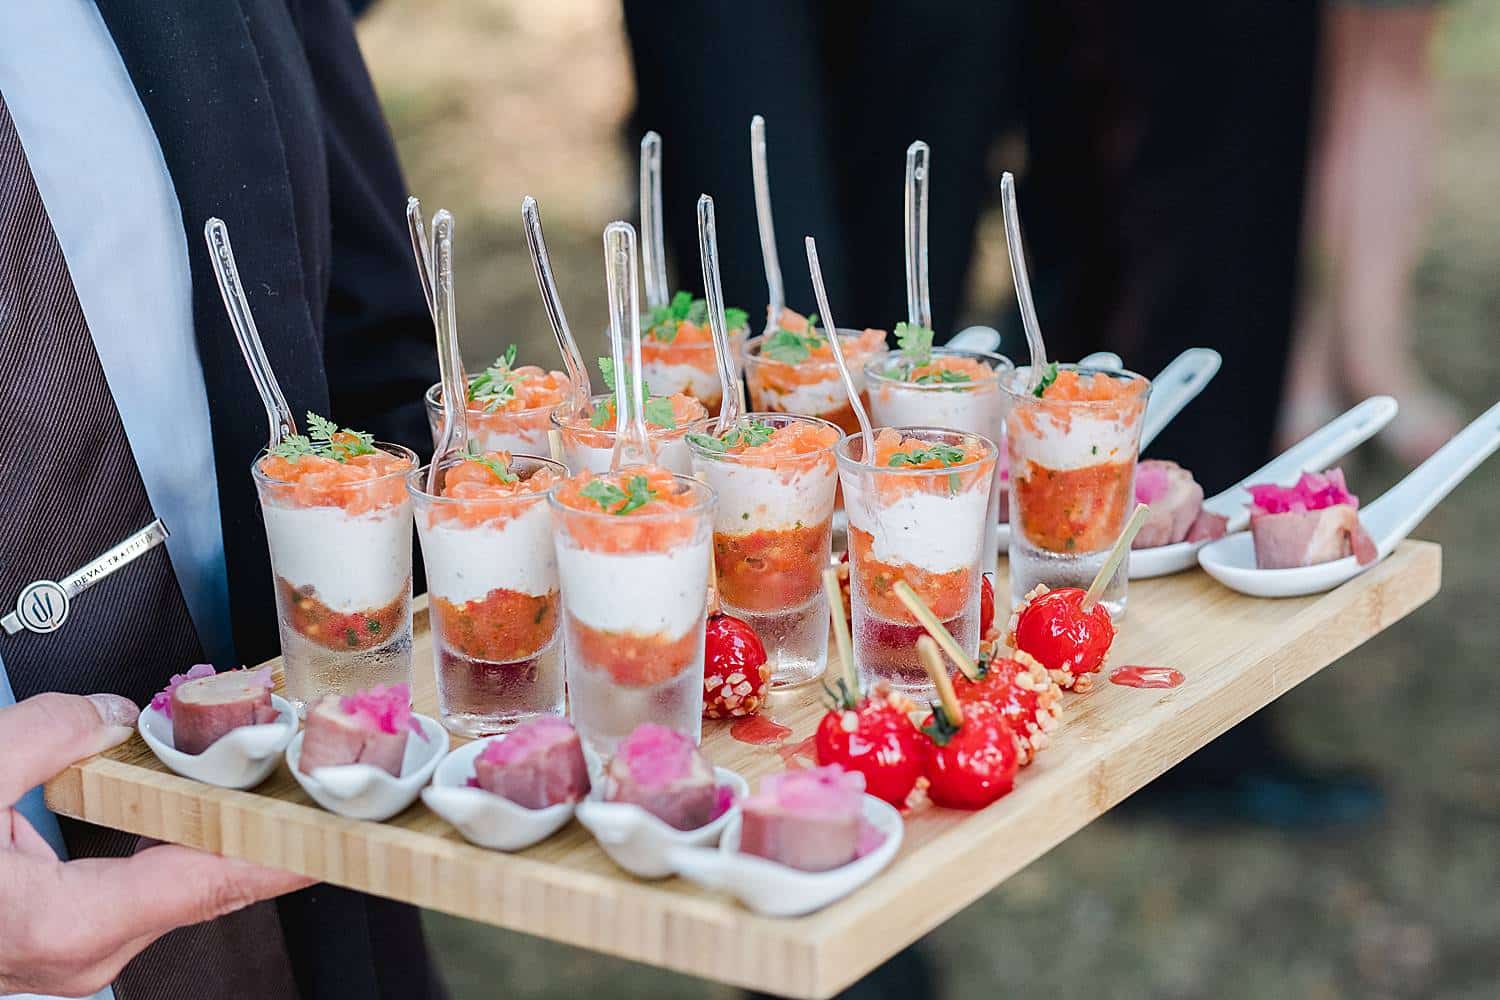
1367,212
844,87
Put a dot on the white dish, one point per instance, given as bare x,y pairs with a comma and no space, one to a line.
243,758
639,842
775,890
364,791
484,818
1314,453
1389,520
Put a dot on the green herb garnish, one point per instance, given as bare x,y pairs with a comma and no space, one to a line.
659,411
662,322
636,494
942,377
749,434
497,468
325,439
1048,378
946,454
916,345
496,385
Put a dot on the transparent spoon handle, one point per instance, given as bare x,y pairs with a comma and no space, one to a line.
578,371
632,440
708,254
278,414
653,240
1018,274
775,289
918,293
832,331
422,251
450,360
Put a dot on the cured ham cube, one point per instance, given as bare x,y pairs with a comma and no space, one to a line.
207,707
1314,521
539,764
1176,501
370,727
1208,527
664,773
812,820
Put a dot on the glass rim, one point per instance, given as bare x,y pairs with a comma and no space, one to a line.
389,447
841,452
430,397
1021,396
698,451
708,498
873,372
557,419
416,483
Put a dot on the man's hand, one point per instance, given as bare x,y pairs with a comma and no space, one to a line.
69,928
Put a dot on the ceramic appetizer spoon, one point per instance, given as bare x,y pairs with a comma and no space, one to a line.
541,263
1315,452
775,289
713,291
364,791
278,413
1175,387
632,438
985,339
1389,520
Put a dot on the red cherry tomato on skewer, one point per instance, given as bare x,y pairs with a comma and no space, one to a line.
986,606
735,672
875,738
973,764
1070,642
1024,693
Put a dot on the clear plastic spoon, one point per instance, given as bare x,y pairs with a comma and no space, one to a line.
421,250
278,413
1023,283
578,370
450,361
632,439
832,332
775,289
918,293
708,253
653,240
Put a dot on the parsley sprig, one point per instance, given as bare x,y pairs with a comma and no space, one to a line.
496,385
915,343
659,412
1048,377
791,347
636,494
324,439
497,468
662,322
946,454
750,433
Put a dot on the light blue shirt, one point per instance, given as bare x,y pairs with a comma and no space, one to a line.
107,191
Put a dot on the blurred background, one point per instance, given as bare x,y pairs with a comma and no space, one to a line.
1309,191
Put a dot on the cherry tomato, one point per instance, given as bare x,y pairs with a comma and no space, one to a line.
1070,642
877,739
971,765
735,672
1026,695
986,605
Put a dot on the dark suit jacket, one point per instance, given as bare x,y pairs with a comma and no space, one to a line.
267,118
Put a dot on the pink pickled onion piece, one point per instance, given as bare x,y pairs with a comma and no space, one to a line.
162,701
656,755
1313,491
383,707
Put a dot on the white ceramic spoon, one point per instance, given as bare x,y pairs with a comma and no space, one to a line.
1175,387
1107,360
484,818
777,890
364,791
1389,520
1316,452
639,842
985,339
242,758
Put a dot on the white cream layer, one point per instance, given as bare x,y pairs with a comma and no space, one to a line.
523,443
1088,440
936,532
641,592
351,563
752,498
814,399
974,411
466,563
671,454
668,379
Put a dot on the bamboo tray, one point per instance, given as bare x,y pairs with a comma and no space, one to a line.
1238,654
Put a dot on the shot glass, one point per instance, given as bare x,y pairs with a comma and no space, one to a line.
512,427
493,595
773,531
923,523
686,363
791,381
588,435
634,593
340,549
1073,454
959,390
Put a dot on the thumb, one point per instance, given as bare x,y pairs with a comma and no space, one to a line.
45,734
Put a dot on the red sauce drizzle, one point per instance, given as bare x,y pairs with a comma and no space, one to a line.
799,755
758,730
1146,677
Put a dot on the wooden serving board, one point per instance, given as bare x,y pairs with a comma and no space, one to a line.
1237,653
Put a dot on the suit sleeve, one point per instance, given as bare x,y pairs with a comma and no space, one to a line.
378,340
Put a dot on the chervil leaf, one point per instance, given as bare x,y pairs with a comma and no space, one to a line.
749,434
601,415
497,468
708,443
293,447
636,494
496,385
659,413
640,493
320,428
607,372
735,319
790,348
915,343
943,377
946,454
325,440
1048,377
605,494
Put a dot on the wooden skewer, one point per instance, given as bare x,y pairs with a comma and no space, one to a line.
1116,556
554,445
841,630
935,629
932,661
